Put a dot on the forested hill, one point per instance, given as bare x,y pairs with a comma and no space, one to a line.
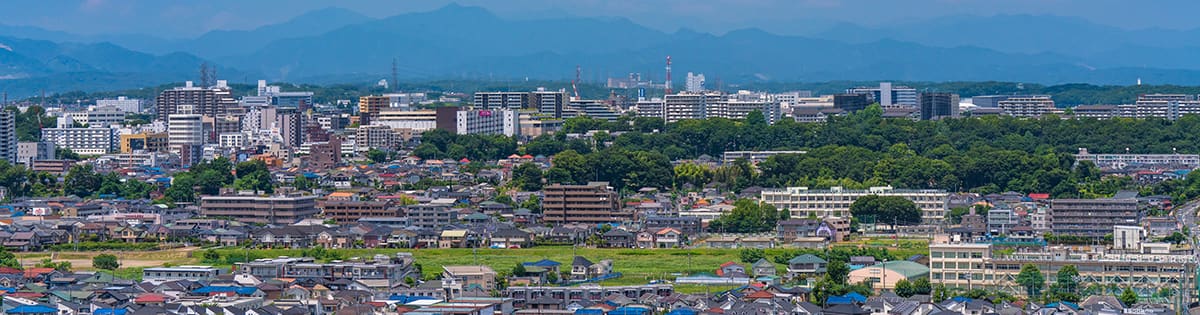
984,154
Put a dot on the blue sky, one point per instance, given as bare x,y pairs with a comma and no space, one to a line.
176,19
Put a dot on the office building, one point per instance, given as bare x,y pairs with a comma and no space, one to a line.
145,141
1093,218
434,214
888,96
550,103
83,141
502,100
694,83
124,104
28,152
983,266
381,137
1029,106
1120,161
851,102
595,202
349,212
185,130
487,122
103,116
248,207
209,101
937,105
836,201
231,140
8,136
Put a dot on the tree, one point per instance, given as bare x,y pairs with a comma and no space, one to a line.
751,255
106,262
376,155
1067,280
302,182
748,216
519,270
904,288
7,259
887,209
534,204
691,173
254,175
1032,279
837,270
64,266
1128,297
81,181
921,286
527,177
211,256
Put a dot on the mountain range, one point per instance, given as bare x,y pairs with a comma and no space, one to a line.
338,45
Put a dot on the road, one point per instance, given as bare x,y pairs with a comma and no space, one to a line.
1187,216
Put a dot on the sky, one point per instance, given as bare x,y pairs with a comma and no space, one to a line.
185,19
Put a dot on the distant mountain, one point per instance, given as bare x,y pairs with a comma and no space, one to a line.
29,65
1093,43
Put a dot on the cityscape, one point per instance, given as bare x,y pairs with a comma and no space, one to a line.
220,158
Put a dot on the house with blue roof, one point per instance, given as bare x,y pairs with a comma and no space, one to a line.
241,291
33,309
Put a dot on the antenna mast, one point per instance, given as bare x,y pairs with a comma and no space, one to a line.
395,75
668,83
574,84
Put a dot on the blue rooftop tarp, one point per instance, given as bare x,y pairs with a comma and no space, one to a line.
629,311
856,297
1068,304
589,311
109,311
8,289
961,299
32,309
405,299
682,311
543,263
834,300
223,289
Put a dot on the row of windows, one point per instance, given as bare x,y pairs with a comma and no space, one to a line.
963,255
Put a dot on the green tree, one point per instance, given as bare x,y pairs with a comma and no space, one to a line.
904,288
377,156
1067,280
534,204
302,182
7,259
1128,297
570,167
748,216
527,177
519,270
254,175
887,209
922,286
81,181
63,266
211,256
1032,279
751,255
837,270
106,262
693,174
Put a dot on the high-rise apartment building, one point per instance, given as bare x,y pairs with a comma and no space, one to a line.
128,105
381,137
502,100
694,83
654,108
8,136
369,107
595,202
208,101
937,105
185,130
88,141
549,103
1093,218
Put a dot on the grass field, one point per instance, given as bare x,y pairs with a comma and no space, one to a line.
638,266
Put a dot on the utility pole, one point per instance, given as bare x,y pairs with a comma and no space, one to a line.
395,75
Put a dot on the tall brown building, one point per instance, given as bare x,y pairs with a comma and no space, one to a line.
369,107
207,101
325,155
251,208
348,212
591,203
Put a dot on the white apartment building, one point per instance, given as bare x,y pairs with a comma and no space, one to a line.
127,105
687,105
694,83
104,116
650,108
88,141
836,201
184,130
417,120
491,122
8,136
1119,161
231,140
980,266
1029,106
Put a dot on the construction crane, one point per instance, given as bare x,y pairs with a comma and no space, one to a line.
575,83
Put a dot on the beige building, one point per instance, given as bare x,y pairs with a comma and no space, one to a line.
247,207
883,276
836,201
456,278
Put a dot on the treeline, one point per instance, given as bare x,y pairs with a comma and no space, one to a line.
983,154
